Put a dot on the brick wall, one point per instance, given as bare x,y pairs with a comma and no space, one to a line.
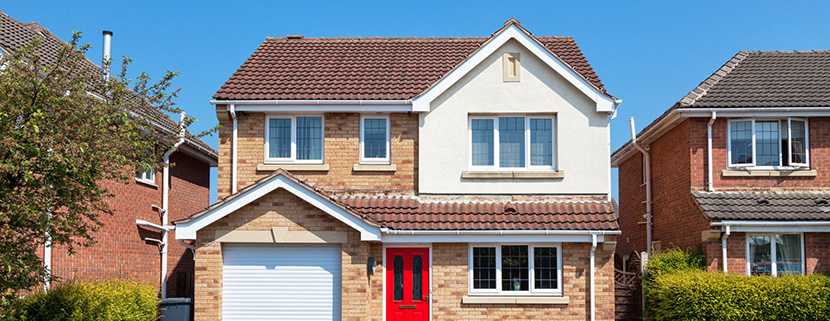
121,252
341,152
632,206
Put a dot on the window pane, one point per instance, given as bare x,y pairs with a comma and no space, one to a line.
545,268
798,142
760,257
417,278
482,130
398,275
541,142
766,136
740,133
484,268
511,142
309,138
279,138
514,268
374,138
788,253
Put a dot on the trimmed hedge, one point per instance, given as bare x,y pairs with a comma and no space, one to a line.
108,300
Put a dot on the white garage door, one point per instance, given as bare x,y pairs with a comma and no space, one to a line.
267,282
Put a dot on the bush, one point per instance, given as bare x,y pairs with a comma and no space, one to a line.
674,260
698,295
109,300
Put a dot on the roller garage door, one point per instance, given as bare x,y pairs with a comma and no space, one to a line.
269,282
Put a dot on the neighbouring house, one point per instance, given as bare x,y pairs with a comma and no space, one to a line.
739,166
125,249
410,179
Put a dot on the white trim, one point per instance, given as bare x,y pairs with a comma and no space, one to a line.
147,177
382,160
604,103
187,231
781,148
383,272
319,105
527,144
774,252
806,142
531,273
293,158
487,236
775,226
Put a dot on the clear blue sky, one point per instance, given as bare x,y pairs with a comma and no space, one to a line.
649,54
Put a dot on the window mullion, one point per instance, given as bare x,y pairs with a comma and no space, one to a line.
789,141
754,144
773,255
293,138
531,266
527,142
498,268
496,162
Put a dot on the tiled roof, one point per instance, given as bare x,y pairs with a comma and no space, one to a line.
406,213
779,206
296,68
14,35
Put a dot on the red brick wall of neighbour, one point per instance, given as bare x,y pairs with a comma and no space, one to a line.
632,206
816,251
341,152
121,252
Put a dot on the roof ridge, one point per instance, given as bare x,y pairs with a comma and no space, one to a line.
703,88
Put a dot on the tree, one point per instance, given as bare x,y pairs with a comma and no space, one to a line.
64,128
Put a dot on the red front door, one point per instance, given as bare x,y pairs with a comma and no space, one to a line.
407,284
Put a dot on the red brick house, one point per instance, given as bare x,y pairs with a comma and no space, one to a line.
410,178
738,166
125,249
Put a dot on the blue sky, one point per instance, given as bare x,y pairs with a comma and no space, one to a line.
649,54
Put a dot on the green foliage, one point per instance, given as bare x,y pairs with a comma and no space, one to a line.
110,300
673,260
698,295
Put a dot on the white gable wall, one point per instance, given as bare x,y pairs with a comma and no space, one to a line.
581,132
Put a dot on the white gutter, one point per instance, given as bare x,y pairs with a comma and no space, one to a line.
165,204
771,223
723,248
709,152
497,232
314,102
232,110
593,275
754,109
647,165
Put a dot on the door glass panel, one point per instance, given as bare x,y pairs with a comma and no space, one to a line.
788,253
514,268
417,278
760,257
484,268
545,268
766,135
398,275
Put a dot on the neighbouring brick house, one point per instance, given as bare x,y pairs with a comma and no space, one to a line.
121,250
410,178
739,166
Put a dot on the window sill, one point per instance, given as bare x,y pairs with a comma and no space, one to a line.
146,182
513,174
515,300
770,173
374,167
294,167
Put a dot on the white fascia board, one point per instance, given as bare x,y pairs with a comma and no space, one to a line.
775,226
489,236
318,105
187,231
604,103
757,112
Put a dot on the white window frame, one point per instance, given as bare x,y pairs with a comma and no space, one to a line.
293,158
373,160
773,254
146,177
498,291
786,121
496,166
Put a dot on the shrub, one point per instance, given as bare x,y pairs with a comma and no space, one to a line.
698,295
97,300
674,260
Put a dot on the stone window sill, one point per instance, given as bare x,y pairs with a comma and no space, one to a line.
769,173
513,174
146,183
294,167
374,167
515,300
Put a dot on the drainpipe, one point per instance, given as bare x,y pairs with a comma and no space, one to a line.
593,275
165,205
647,161
709,152
232,110
107,47
47,257
723,248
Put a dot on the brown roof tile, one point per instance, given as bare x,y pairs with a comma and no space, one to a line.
764,205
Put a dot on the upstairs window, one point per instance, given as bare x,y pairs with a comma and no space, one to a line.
290,139
374,140
768,143
512,142
147,177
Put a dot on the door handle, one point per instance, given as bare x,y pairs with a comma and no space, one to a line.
426,297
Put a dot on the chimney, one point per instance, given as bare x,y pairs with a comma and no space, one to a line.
107,53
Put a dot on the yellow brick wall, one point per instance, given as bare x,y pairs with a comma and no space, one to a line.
341,152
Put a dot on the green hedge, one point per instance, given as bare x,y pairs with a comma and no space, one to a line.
108,300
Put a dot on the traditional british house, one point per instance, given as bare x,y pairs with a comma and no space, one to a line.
738,166
125,249
410,179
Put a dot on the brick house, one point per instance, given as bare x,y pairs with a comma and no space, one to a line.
124,249
410,178
738,162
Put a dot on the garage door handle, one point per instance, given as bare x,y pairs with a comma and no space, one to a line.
406,307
